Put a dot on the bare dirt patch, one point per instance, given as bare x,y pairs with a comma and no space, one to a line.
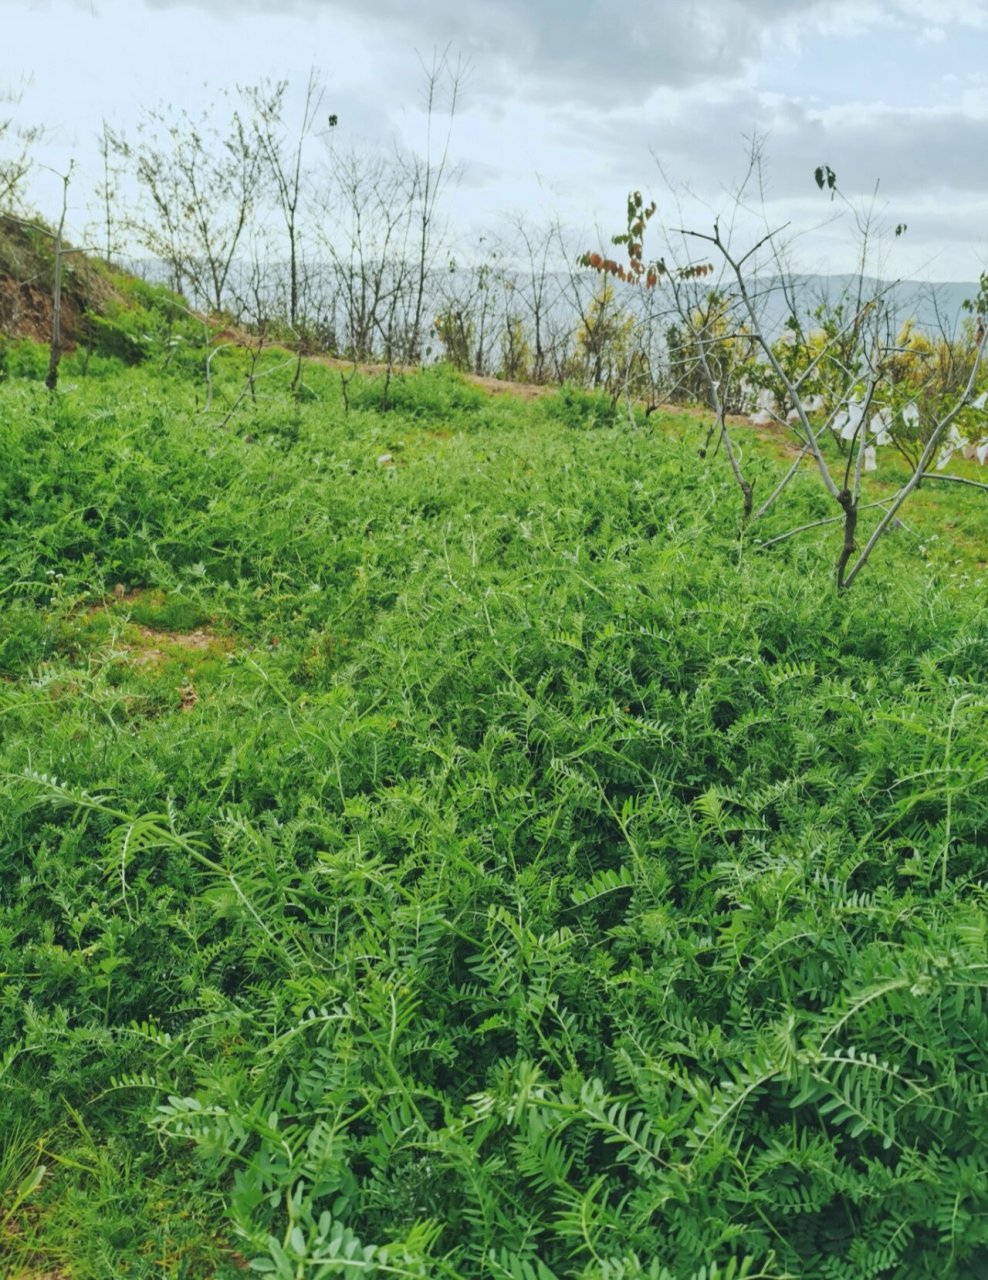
158,646
521,390
152,643
493,386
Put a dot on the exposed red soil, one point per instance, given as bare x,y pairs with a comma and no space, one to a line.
26,312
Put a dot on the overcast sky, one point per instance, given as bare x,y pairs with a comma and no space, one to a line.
568,104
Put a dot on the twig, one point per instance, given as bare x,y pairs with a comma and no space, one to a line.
936,475
209,374
815,524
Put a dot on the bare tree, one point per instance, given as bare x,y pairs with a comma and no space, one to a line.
367,243
17,142
468,297
283,155
202,182
538,289
108,193
429,175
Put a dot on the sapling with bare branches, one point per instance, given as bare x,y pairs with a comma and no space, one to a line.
852,360
55,349
59,254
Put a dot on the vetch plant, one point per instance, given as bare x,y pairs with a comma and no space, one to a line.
552,893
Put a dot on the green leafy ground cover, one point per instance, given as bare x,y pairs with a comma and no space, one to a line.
482,863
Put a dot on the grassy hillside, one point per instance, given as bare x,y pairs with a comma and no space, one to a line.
105,313
435,842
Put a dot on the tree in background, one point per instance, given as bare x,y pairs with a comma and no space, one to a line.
604,339
428,176
454,329
16,147
202,179
282,153
366,237
537,289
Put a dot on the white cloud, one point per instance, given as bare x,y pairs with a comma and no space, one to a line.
566,100
586,49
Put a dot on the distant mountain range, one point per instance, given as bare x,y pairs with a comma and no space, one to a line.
935,307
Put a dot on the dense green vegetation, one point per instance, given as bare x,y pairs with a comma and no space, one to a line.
435,842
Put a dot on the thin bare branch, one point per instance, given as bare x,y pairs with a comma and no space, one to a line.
938,475
814,524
